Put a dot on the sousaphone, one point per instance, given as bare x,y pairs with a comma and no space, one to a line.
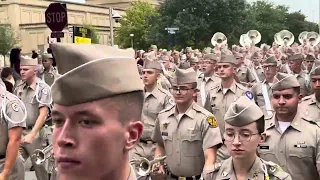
254,36
245,40
284,38
219,39
313,38
303,36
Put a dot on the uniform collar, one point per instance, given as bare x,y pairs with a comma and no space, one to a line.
25,85
155,93
232,88
295,124
191,113
228,172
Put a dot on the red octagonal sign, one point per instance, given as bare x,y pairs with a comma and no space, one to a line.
56,17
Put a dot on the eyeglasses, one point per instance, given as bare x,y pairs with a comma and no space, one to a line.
242,137
180,89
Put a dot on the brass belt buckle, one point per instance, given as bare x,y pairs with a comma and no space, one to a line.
182,178
149,142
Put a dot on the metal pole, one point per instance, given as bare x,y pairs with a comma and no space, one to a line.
111,26
132,42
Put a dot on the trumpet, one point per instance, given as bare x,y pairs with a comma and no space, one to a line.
145,166
41,155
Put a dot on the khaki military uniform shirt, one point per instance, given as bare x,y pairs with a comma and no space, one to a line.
15,111
220,102
244,74
226,171
164,82
50,76
154,102
205,84
310,107
304,82
260,73
27,95
258,95
296,150
185,139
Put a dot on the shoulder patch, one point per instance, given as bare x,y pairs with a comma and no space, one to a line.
45,91
15,106
212,121
249,94
171,101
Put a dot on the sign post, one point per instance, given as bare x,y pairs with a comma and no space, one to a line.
56,19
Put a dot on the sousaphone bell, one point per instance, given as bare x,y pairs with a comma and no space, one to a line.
284,38
219,39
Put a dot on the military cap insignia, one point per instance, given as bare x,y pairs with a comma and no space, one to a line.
165,125
171,101
15,107
45,91
212,122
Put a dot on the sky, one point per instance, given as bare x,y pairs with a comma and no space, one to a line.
310,8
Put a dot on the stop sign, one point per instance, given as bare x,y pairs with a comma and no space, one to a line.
56,17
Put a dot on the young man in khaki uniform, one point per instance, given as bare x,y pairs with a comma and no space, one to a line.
256,69
187,134
243,73
50,73
156,99
210,79
96,127
12,123
221,97
262,91
244,131
36,96
292,138
310,105
295,65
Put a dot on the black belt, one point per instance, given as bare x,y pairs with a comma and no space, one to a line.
185,178
147,141
2,156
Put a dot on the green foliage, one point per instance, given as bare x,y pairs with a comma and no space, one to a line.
94,34
199,20
137,22
8,39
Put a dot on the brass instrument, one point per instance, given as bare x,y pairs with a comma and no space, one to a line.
144,166
284,38
254,36
313,38
219,39
41,155
245,40
303,36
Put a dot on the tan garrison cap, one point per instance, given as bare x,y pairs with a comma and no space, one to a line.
296,57
271,60
237,55
151,56
93,72
255,54
285,81
206,50
151,65
153,47
47,56
242,112
184,76
211,56
184,65
310,57
28,61
316,68
189,49
194,60
227,59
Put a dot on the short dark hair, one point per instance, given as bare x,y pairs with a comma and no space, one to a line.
128,105
6,72
260,125
296,90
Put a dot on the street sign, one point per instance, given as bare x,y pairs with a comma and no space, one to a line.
81,35
57,34
172,29
56,16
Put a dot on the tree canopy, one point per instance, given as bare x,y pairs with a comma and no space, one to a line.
8,39
199,20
